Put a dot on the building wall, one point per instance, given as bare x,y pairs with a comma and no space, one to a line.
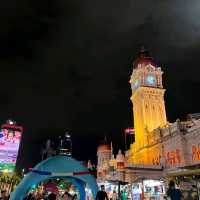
171,147
103,159
173,151
148,110
158,142
192,136
178,148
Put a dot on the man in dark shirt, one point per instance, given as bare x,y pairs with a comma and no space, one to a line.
4,195
102,195
173,193
52,196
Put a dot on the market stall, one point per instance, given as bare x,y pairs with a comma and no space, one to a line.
119,189
148,189
188,181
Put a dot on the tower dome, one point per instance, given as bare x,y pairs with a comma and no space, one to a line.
120,160
120,156
143,60
103,157
104,148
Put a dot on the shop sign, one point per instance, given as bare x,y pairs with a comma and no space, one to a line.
196,152
156,160
173,157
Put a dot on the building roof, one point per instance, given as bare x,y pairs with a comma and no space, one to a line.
104,148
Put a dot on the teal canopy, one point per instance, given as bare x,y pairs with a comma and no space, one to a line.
58,167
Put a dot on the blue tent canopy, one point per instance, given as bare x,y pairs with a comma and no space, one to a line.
57,167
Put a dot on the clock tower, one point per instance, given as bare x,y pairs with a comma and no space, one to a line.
147,98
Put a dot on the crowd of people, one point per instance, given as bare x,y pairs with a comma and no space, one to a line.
4,195
175,194
172,193
51,196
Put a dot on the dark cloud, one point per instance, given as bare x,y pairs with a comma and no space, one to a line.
65,64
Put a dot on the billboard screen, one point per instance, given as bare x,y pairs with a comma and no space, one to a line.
10,137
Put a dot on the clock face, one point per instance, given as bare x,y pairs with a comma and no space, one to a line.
151,80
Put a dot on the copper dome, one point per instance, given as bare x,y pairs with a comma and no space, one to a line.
104,148
143,60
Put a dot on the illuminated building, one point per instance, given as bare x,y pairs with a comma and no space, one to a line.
109,167
161,149
148,105
104,155
48,151
65,145
10,137
158,142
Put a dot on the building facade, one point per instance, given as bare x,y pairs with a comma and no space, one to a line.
160,148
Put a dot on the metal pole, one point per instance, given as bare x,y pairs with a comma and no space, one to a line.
119,193
197,189
125,142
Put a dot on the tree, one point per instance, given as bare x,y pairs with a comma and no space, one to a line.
8,181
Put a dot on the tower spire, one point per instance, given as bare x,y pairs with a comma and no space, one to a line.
111,146
143,52
148,104
105,139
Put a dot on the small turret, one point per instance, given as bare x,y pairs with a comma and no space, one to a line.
103,159
143,60
120,160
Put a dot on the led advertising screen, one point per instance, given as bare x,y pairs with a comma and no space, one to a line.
10,137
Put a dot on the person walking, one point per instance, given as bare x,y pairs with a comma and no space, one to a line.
67,196
4,195
102,195
173,193
51,196
114,195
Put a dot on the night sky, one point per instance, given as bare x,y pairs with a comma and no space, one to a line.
65,65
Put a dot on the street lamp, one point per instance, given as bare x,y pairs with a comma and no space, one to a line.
5,171
67,135
11,122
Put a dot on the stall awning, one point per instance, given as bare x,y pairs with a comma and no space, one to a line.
145,169
118,182
184,173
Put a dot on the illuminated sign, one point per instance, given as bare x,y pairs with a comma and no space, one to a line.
174,157
156,160
10,137
195,152
129,131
